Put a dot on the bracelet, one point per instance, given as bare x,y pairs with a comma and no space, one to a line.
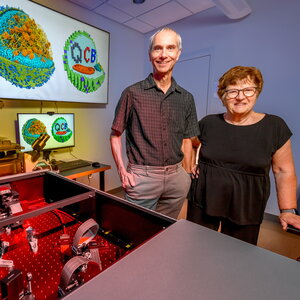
291,210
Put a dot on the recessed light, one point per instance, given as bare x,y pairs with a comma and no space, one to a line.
138,1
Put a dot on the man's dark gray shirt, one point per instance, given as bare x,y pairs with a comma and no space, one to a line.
155,123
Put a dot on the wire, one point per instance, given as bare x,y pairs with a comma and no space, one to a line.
70,151
55,212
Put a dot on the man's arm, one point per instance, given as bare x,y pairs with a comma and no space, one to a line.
286,182
116,149
189,148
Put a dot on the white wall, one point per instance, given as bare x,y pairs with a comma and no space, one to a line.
268,39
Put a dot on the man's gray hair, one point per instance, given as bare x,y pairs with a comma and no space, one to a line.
179,40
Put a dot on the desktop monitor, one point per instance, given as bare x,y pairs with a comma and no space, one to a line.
50,130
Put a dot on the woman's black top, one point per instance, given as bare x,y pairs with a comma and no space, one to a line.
234,167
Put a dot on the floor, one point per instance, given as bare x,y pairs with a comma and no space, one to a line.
271,236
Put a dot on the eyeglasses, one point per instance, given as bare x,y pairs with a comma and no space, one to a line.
248,92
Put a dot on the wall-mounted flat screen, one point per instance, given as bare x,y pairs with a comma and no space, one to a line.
45,55
53,131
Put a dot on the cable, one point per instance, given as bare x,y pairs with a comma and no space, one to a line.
55,212
68,278
85,233
70,151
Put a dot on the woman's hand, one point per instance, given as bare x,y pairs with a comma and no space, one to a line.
289,219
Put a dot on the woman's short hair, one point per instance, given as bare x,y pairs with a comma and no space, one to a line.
179,40
240,73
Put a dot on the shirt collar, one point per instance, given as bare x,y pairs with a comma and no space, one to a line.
150,83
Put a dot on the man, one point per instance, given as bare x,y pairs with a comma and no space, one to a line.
159,118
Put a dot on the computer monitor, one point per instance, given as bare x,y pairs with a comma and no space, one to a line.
45,131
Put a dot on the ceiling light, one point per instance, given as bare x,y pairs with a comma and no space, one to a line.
138,1
233,9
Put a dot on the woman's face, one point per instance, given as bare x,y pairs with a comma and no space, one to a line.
239,99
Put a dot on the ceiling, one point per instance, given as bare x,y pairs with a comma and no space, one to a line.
153,14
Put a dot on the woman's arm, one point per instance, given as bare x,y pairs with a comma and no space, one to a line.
286,184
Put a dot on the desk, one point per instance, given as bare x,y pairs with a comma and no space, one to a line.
85,171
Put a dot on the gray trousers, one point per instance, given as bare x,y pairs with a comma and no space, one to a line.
159,188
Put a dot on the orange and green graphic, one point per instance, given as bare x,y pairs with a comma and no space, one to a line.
81,62
32,129
25,52
60,130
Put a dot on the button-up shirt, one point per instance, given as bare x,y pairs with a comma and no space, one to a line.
155,123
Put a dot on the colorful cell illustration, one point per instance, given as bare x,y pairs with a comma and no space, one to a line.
32,129
81,62
60,130
25,52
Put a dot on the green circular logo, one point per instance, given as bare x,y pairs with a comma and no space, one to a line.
60,130
81,62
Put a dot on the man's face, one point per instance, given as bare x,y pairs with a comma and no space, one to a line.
164,53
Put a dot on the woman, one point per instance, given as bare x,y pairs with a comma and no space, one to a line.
237,149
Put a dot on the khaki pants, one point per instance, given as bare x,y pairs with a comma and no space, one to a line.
159,188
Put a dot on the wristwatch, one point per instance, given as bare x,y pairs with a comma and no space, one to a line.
291,210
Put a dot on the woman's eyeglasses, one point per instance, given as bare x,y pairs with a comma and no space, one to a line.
248,92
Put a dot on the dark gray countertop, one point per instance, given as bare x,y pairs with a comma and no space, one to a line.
187,261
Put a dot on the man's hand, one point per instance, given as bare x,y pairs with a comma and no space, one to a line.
195,171
116,148
126,179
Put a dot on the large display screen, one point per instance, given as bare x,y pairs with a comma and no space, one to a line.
45,55
56,131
